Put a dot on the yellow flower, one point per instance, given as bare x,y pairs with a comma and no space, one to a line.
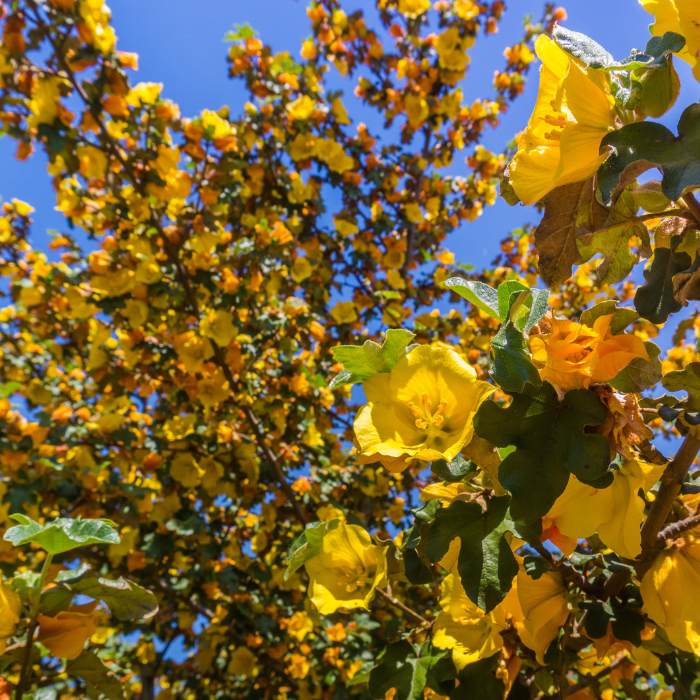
242,662
65,634
561,144
344,312
423,409
301,108
413,8
451,50
416,109
194,352
114,284
185,470
615,513
670,589
144,94
213,388
10,606
463,627
299,626
444,491
544,609
682,17
577,356
218,325
93,161
346,571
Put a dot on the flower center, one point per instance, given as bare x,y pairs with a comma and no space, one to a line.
352,578
424,415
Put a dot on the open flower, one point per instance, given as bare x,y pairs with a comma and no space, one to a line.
615,513
682,17
423,409
65,634
576,356
463,627
346,571
10,607
544,609
561,144
670,589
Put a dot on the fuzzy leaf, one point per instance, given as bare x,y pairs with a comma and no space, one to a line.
550,443
62,534
99,679
308,544
486,564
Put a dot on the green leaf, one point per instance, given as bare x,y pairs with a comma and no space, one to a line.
62,534
622,316
126,599
486,564
478,293
640,374
583,48
613,241
98,678
512,365
308,544
678,157
505,296
540,304
656,301
550,443
535,567
653,56
688,380
627,623
478,681
362,361
398,668
453,472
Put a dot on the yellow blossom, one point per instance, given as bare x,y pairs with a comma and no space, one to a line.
10,606
301,108
423,409
345,573
681,17
451,50
93,161
241,662
561,144
544,609
413,8
416,109
218,325
670,589
144,94
194,352
616,513
299,626
463,627
344,312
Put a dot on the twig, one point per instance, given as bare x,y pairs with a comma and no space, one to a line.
568,573
693,205
589,680
404,608
671,532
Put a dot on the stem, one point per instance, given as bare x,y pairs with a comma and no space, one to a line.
693,205
25,672
568,573
671,532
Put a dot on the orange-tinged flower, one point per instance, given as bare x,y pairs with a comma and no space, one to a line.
65,634
576,356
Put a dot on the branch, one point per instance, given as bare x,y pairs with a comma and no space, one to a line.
671,482
404,608
671,532
692,204
568,573
589,680
237,638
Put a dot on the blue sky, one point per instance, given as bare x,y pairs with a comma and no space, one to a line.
180,43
